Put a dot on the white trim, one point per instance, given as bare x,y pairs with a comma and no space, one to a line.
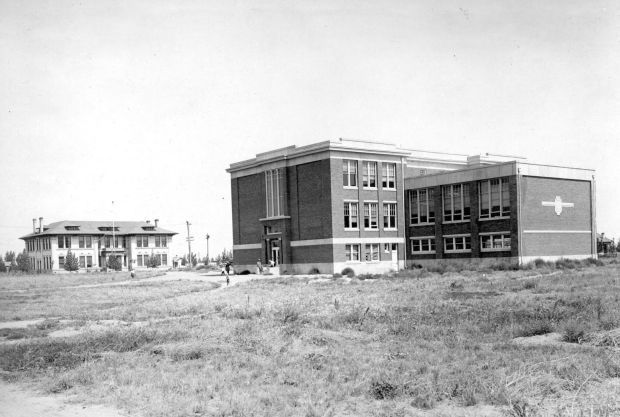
349,187
346,241
423,237
493,233
457,250
493,218
458,235
389,201
457,221
557,231
248,246
370,201
274,218
348,200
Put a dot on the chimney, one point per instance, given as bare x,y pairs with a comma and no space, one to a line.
156,222
34,225
40,224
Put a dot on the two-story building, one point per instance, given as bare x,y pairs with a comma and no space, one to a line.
374,207
93,242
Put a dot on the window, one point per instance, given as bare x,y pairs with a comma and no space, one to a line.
494,198
164,241
89,261
142,241
273,194
352,252
495,242
85,242
422,206
164,259
82,261
422,245
388,175
350,215
64,242
369,179
372,252
457,243
349,173
61,262
371,216
456,203
107,242
157,241
389,215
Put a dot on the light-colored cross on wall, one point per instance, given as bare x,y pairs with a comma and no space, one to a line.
558,204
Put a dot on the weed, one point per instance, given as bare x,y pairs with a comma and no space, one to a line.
574,331
314,271
382,390
348,272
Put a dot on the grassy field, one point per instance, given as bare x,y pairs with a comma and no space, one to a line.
414,343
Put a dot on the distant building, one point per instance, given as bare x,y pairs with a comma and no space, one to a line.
93,242
375,207
604,244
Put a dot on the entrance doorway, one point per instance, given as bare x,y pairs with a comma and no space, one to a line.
273,252
395,256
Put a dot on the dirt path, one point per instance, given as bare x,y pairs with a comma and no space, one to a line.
19,401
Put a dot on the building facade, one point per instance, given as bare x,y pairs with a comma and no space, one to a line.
93,242
375,207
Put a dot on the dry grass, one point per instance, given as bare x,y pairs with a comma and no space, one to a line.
301,347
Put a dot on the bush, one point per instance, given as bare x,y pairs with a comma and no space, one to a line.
152,262
593,262
574,331
314,271
348,272
114,262
535,328
71,262
337,275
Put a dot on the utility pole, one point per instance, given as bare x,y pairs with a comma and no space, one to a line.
208,259
189,243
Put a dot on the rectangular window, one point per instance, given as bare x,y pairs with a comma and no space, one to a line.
422,206
164,241
389,215
494,198
108,242
145,242
349,173
495,242
82,262
89,261
273,193
139,241
164,259
61,262
81,241
388,175
157,241
371,216
350,215
457,244
422,245
370,175
372,252
115,241
456,205
352,252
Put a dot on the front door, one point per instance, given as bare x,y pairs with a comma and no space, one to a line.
395,256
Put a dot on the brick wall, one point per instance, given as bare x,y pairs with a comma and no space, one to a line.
538,221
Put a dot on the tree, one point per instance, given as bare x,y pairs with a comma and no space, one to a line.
10,257
23,261
71,262
153,261
114,262
2,266
224,257
194,260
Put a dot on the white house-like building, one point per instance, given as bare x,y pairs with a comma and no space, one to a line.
93,242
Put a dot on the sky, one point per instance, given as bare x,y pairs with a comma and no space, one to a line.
146,103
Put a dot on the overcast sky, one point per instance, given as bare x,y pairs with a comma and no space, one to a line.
146,103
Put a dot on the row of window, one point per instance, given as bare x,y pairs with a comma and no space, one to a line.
41,264
488,243
371,215
493,198
86,242
369,174
371,252
162,259
38,244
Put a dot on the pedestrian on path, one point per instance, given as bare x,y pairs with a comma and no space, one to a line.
227,269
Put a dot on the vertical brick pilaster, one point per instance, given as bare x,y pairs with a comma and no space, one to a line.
474,211
438,222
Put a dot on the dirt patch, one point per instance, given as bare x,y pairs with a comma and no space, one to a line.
540,340
18,401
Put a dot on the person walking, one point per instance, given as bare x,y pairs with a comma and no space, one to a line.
227,269
259,266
